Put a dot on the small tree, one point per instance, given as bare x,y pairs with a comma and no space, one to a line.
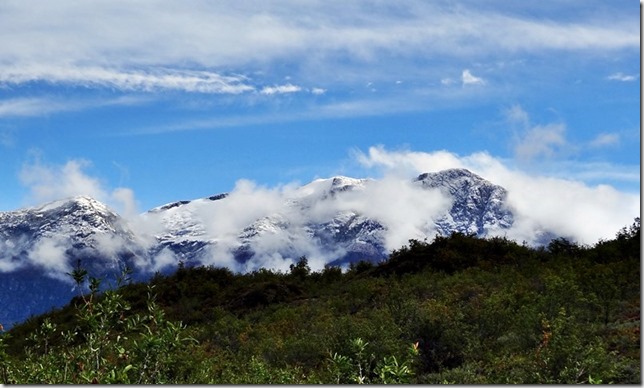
301,269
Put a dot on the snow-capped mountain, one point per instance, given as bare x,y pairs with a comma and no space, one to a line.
330,221
67,229
479,206
39,245
326,218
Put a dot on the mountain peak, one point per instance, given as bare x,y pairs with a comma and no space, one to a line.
478,205
343,183
79,201
449,174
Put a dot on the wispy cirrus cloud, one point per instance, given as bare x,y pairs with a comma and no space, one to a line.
76,42
17,107
605,140
159,47
42,106
149,80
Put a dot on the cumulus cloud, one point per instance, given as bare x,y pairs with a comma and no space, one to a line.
532,142
565,207
47,185
541,141
406,163
50,182
280,216
467,78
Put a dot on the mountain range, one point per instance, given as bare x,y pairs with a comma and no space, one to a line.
335,221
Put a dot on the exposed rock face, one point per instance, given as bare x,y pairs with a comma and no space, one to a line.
478,205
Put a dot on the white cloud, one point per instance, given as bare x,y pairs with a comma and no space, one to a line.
49,254
280,218
17,107
541,141
280,89
8,250
469,79
564,206
153,79
49,183
605,140
531,142
124,197
406,163
54,182
42,106
517,115
403,208
318,91
119,42
622,77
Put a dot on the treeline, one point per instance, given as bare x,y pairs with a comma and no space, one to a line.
457,309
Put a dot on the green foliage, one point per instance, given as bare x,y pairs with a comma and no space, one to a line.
301,269
476,311
105,346
361,367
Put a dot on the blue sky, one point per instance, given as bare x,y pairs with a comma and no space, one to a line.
140,103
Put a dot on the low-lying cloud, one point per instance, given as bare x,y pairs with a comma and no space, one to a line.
281,216
49,182
566,207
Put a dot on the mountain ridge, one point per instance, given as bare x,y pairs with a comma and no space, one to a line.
332,221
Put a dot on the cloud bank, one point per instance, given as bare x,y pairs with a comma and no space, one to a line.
279,216
566,207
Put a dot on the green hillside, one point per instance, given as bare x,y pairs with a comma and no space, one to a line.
457,309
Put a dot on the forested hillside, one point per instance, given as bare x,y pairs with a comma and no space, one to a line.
457,309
